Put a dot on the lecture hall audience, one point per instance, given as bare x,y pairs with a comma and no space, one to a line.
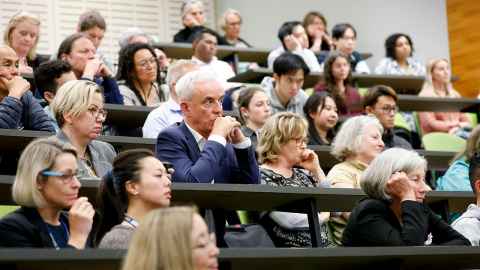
18,108
49,76
285,88
438,84
456,178
294,39
286,161
78,109
381,102
79,52
172,238
322,115
137,75
394,213
22,34
137,184
168,113
356,144
399,60
337,74
46,183
344,38
254,110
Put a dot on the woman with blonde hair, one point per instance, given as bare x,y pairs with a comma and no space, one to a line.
356,144
174,238
456,177
46,183
438,84
78,109
22,34
286,161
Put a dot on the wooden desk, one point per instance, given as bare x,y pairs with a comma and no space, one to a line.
412,83
437,160
432,104
12,140
434,257
185,51
265,197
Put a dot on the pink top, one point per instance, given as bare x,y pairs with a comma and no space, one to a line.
440,121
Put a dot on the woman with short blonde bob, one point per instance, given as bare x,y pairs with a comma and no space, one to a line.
356,144
174,238
22,34
45,184
78,109
286,161
394,213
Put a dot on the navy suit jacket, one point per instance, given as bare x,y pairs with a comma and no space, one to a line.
223,164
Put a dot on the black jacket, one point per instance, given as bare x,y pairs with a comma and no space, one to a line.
373,223
25,228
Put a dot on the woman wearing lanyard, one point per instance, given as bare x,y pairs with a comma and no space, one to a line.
45,184
137,184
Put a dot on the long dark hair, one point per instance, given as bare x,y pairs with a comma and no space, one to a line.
126,67
311,105
112,197
331,83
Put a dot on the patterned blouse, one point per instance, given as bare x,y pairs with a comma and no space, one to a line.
290,237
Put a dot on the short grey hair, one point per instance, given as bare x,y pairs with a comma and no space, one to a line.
374,179
348,140
222,22
131,32
188,4
186,84
178,69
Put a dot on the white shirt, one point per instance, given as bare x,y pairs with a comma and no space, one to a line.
307,55
162,117
221,68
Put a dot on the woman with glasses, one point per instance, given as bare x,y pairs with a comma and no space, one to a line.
172,238
394,214
137,184
286,161
46,183
356,144
137,75
78,109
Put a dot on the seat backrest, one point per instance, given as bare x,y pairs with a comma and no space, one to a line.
439,141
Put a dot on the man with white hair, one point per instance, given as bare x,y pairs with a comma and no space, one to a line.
230,23
207,147
169,112
193,20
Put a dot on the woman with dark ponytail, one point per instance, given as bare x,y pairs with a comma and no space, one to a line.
137,184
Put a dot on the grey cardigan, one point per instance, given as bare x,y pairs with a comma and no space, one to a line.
118,237
102,155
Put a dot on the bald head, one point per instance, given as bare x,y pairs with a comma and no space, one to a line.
8,63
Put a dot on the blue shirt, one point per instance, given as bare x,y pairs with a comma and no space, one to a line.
162,117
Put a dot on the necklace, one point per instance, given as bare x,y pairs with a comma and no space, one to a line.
132,222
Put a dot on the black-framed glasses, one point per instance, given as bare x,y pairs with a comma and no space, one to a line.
389,109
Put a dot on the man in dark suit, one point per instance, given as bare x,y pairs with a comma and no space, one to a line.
207,147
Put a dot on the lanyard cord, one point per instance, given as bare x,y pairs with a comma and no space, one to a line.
55,244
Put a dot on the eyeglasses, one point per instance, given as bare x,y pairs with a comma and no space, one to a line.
389,109
66,177
212,240
96,112
301,141
147,62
